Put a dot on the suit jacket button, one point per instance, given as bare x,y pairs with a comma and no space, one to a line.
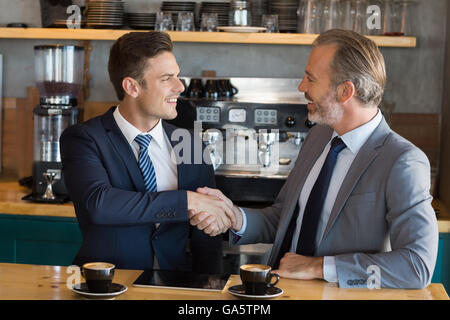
350,282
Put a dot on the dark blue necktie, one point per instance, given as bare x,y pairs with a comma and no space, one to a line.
314,206
313,209
145,163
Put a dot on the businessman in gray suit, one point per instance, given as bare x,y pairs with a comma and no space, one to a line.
356,208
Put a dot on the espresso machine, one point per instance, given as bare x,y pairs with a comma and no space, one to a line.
253,137
59,77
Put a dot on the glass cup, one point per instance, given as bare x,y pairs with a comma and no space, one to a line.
270,22
209,22
347,14
360,21
309,16
390,18
406,17
185,21
330,15
164,21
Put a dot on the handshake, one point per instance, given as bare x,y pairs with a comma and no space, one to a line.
211,211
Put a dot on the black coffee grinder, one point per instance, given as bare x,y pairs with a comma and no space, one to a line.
59,77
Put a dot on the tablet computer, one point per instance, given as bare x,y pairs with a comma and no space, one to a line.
181,280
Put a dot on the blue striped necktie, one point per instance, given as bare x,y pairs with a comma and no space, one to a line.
145,163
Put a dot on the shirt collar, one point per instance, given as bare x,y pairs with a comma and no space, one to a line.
356,138
130,132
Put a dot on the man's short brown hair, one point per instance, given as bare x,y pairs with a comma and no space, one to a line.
129,54
357,59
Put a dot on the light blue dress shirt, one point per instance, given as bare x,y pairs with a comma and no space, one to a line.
354,140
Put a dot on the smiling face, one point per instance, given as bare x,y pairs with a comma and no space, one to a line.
323,107
157,99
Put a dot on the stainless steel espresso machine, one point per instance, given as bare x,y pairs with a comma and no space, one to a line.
59,77
254,137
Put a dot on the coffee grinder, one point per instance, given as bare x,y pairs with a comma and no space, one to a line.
59,77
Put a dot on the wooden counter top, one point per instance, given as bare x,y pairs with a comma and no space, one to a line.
11,202
32,282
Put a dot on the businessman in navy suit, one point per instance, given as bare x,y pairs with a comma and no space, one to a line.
132,199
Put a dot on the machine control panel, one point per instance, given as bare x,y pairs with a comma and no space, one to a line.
222,114
208,114
290,122
266,116
237,115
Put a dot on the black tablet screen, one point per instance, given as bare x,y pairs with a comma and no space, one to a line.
181,280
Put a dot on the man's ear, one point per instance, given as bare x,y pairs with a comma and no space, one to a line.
131,87
346,91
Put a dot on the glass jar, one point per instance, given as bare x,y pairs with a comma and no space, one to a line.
240,14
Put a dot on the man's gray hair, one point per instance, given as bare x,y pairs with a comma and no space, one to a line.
357,59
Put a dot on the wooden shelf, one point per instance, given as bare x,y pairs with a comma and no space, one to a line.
204,37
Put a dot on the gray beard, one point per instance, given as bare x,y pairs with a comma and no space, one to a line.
328,116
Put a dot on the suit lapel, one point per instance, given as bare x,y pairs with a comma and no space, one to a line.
310,157
307,158
363,159
123,148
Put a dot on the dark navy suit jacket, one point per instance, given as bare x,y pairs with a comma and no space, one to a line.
115,213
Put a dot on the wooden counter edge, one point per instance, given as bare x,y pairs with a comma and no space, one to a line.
28,281
20,207
196,36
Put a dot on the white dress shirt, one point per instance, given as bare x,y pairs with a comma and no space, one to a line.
353,140
160,152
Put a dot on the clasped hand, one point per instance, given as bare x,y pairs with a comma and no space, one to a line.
211,211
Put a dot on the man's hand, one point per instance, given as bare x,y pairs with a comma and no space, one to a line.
210,213
295,266
217,193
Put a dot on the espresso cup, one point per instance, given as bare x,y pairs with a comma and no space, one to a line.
257,278
211,91
98,276
195,89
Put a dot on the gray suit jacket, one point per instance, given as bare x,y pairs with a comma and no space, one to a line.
382,214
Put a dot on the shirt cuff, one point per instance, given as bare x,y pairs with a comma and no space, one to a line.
329,269
244,224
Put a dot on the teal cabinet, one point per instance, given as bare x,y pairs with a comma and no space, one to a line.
442,270
39,240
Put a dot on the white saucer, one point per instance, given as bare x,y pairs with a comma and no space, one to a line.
239,291
242,29
115,290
